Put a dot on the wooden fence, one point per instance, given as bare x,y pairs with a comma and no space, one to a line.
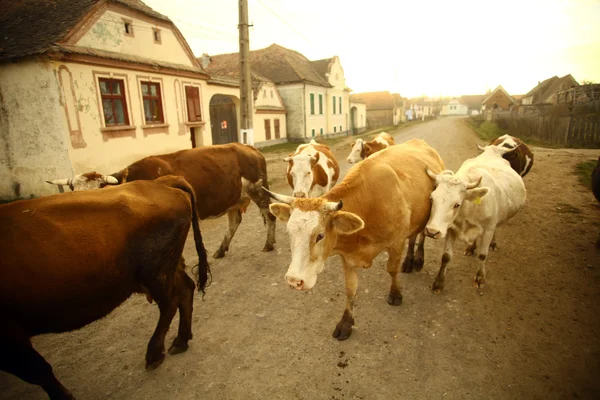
568,131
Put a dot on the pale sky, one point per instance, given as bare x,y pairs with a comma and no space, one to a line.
430,47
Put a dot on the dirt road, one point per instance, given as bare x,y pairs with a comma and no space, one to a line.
531,333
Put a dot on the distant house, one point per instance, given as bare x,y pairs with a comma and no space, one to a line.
455,107
383,109
545,91
473,103
498,99
314,93
269,112
358,116
422,107
398,109
95,85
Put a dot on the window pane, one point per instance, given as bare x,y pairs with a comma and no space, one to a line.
153,90
104,87
108,112
119,111
144,89
116,87
155,111
147,111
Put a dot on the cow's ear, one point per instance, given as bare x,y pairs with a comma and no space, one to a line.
347,223
281,211
367,149
476,194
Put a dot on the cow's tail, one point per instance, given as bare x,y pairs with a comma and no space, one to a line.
204,273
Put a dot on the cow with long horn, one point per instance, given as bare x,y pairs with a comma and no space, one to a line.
381,202
484,193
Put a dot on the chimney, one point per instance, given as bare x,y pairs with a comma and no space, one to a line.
205,60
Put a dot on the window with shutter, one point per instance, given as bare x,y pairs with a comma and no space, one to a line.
192,94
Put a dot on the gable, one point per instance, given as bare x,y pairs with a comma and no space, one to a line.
267,97
108,33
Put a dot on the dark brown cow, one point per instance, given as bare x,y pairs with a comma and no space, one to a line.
70,259
596,189
521,159
225,178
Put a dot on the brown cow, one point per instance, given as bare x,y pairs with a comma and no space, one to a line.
521,159
385,199
70,259
312,170
361,149
225,178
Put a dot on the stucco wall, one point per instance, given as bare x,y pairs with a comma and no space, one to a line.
379,118
360,120
107,33
293,98
501,99
317,121
33,130
268,96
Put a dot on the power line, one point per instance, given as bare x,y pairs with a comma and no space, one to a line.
284,21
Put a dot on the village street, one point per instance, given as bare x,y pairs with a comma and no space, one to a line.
531,333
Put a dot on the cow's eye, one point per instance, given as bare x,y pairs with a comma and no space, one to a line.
457,205
320,237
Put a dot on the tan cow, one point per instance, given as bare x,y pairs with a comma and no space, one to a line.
312,170
385,200
361,149
225,178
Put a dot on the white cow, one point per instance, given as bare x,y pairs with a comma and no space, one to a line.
484,193
361,149
312,170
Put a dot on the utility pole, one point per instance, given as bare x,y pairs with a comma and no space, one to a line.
245,78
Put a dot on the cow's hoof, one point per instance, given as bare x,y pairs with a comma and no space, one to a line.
418,264
469,251
479,281
407,266
154,362
219,253
268,247
437,286
394,299
493,246
342,331
178,346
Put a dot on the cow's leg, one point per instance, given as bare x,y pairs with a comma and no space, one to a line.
438,284
473,247
235,217
420,256
263,200
409,259
394,257
184,287
486,239
344,327
18,357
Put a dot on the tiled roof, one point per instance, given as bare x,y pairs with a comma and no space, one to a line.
473,101
275,63
501,89
374,100
30,26
550,86
322,67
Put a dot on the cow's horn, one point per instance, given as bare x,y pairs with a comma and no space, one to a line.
60,182
287,159
431,174
279,197
480,147
474,184
333,206
111,180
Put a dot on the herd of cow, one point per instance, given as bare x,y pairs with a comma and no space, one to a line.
70,259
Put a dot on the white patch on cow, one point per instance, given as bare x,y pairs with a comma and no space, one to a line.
81,182
354,156
527,163
303,268
382,141
302,176
507,140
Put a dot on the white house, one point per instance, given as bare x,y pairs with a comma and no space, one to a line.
455,107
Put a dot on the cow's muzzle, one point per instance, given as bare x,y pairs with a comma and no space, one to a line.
432,233
295,283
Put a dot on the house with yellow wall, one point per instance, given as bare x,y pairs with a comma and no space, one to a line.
96,85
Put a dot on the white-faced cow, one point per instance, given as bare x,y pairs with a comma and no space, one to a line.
361,149
385,200
520,158
225,178
469,205
70,259
312,170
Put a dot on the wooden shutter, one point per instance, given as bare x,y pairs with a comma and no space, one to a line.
192,95
277,132
267,129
